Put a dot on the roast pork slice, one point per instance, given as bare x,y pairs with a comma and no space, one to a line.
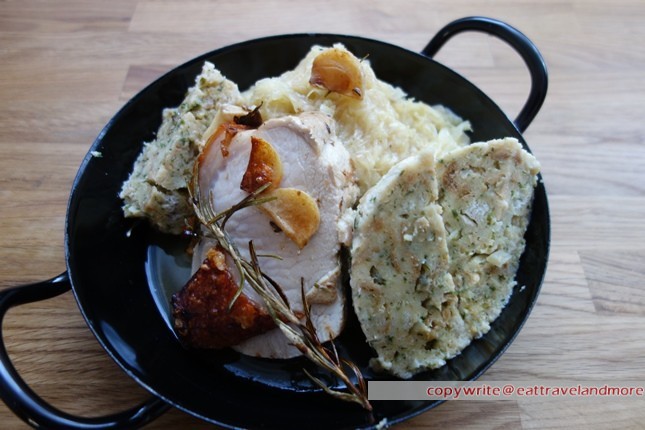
316,163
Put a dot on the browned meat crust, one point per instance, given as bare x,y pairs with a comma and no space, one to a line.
200,310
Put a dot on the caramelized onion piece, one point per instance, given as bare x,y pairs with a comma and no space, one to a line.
264,167
294,212
252,119
338,71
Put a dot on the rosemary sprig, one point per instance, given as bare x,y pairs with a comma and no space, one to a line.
302,334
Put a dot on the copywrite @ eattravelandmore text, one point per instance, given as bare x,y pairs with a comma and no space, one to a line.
500,390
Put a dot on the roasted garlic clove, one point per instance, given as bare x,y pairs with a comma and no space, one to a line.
294,212
264,167
338,71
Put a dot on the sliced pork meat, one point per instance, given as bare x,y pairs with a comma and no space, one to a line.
312,179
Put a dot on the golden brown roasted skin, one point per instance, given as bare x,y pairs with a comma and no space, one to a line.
224,135
200,310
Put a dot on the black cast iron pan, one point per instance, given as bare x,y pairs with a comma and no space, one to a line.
121,271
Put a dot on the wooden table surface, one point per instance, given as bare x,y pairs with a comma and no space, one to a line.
67,66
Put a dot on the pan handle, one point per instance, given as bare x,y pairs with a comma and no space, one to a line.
518,41
32,409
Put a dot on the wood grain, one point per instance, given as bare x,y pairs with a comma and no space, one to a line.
67,66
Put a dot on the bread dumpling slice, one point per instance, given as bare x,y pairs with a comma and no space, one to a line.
486,191
436,249
402,290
